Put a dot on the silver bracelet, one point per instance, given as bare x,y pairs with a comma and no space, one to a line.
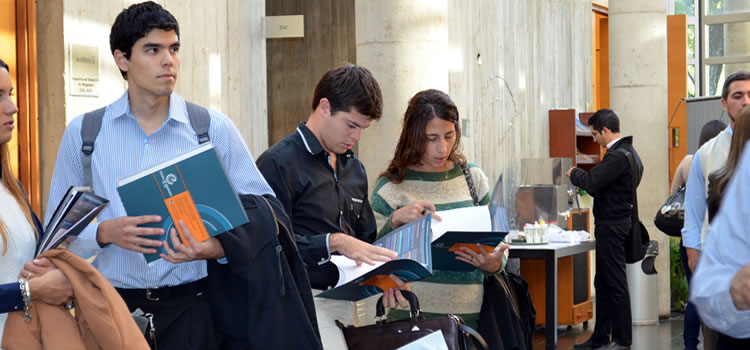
26,294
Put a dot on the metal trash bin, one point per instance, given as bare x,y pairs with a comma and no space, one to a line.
644,288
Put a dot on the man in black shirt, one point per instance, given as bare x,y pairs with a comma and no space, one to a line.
610,183
321,183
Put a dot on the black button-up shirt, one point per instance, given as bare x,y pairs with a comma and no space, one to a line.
318,200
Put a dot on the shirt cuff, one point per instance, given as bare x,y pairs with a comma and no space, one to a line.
328,248
86,245
730,320
222,261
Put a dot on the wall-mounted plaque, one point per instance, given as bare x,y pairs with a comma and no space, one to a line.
84,70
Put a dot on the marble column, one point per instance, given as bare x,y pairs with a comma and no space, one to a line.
404,44
638,94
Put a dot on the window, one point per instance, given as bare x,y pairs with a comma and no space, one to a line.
726,48
687,7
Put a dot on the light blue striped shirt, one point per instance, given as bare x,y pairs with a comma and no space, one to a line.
121,149
726,250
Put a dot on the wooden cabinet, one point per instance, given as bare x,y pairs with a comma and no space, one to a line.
567,142
574,304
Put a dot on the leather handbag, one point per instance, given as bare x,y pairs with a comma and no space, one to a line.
392,335
637,243
671,216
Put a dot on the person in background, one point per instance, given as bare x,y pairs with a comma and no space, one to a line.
720,284
428,172
692,322
611,184
20,230
735,95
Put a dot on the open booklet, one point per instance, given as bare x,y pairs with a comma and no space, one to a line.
78,207
462,227
465,227
414,262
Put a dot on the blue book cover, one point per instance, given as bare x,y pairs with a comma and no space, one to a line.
192,187
462,228
414,262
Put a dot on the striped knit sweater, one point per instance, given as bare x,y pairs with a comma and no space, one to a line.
444,292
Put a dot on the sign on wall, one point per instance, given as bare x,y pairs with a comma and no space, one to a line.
84,70
285,27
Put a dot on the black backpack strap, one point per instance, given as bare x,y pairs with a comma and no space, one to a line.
634,176
92,123
200,120
470,183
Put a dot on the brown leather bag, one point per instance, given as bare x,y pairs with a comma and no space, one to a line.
384,335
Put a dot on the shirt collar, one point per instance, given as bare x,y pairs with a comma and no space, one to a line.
613,142
177,109
309,140
312,144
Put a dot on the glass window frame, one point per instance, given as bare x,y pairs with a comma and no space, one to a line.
704,59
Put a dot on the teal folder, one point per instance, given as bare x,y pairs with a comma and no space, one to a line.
192,187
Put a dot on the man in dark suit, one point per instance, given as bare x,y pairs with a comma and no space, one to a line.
610,183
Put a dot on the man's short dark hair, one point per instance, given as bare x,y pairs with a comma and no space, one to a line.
137,21
350,86
741,75
605,118
4,65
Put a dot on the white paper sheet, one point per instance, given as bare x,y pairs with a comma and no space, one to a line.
432,341
461,219
348,269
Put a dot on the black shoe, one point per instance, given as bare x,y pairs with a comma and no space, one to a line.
588,345
614,346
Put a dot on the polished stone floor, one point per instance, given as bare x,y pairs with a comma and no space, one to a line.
667,335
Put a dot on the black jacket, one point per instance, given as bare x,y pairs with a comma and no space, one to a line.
318,201
262,297
610,183
508,318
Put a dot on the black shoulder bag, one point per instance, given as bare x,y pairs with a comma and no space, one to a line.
637,243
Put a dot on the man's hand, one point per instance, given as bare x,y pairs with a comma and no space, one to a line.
35,268
740,288
51,288
692,255
125,233
412,212
359,251
393,298
208,249
569,171
490,262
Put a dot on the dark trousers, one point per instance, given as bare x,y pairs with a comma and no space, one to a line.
726,342
182,315
692,324
612,296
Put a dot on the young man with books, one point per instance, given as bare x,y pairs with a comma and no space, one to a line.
148,125
323,185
